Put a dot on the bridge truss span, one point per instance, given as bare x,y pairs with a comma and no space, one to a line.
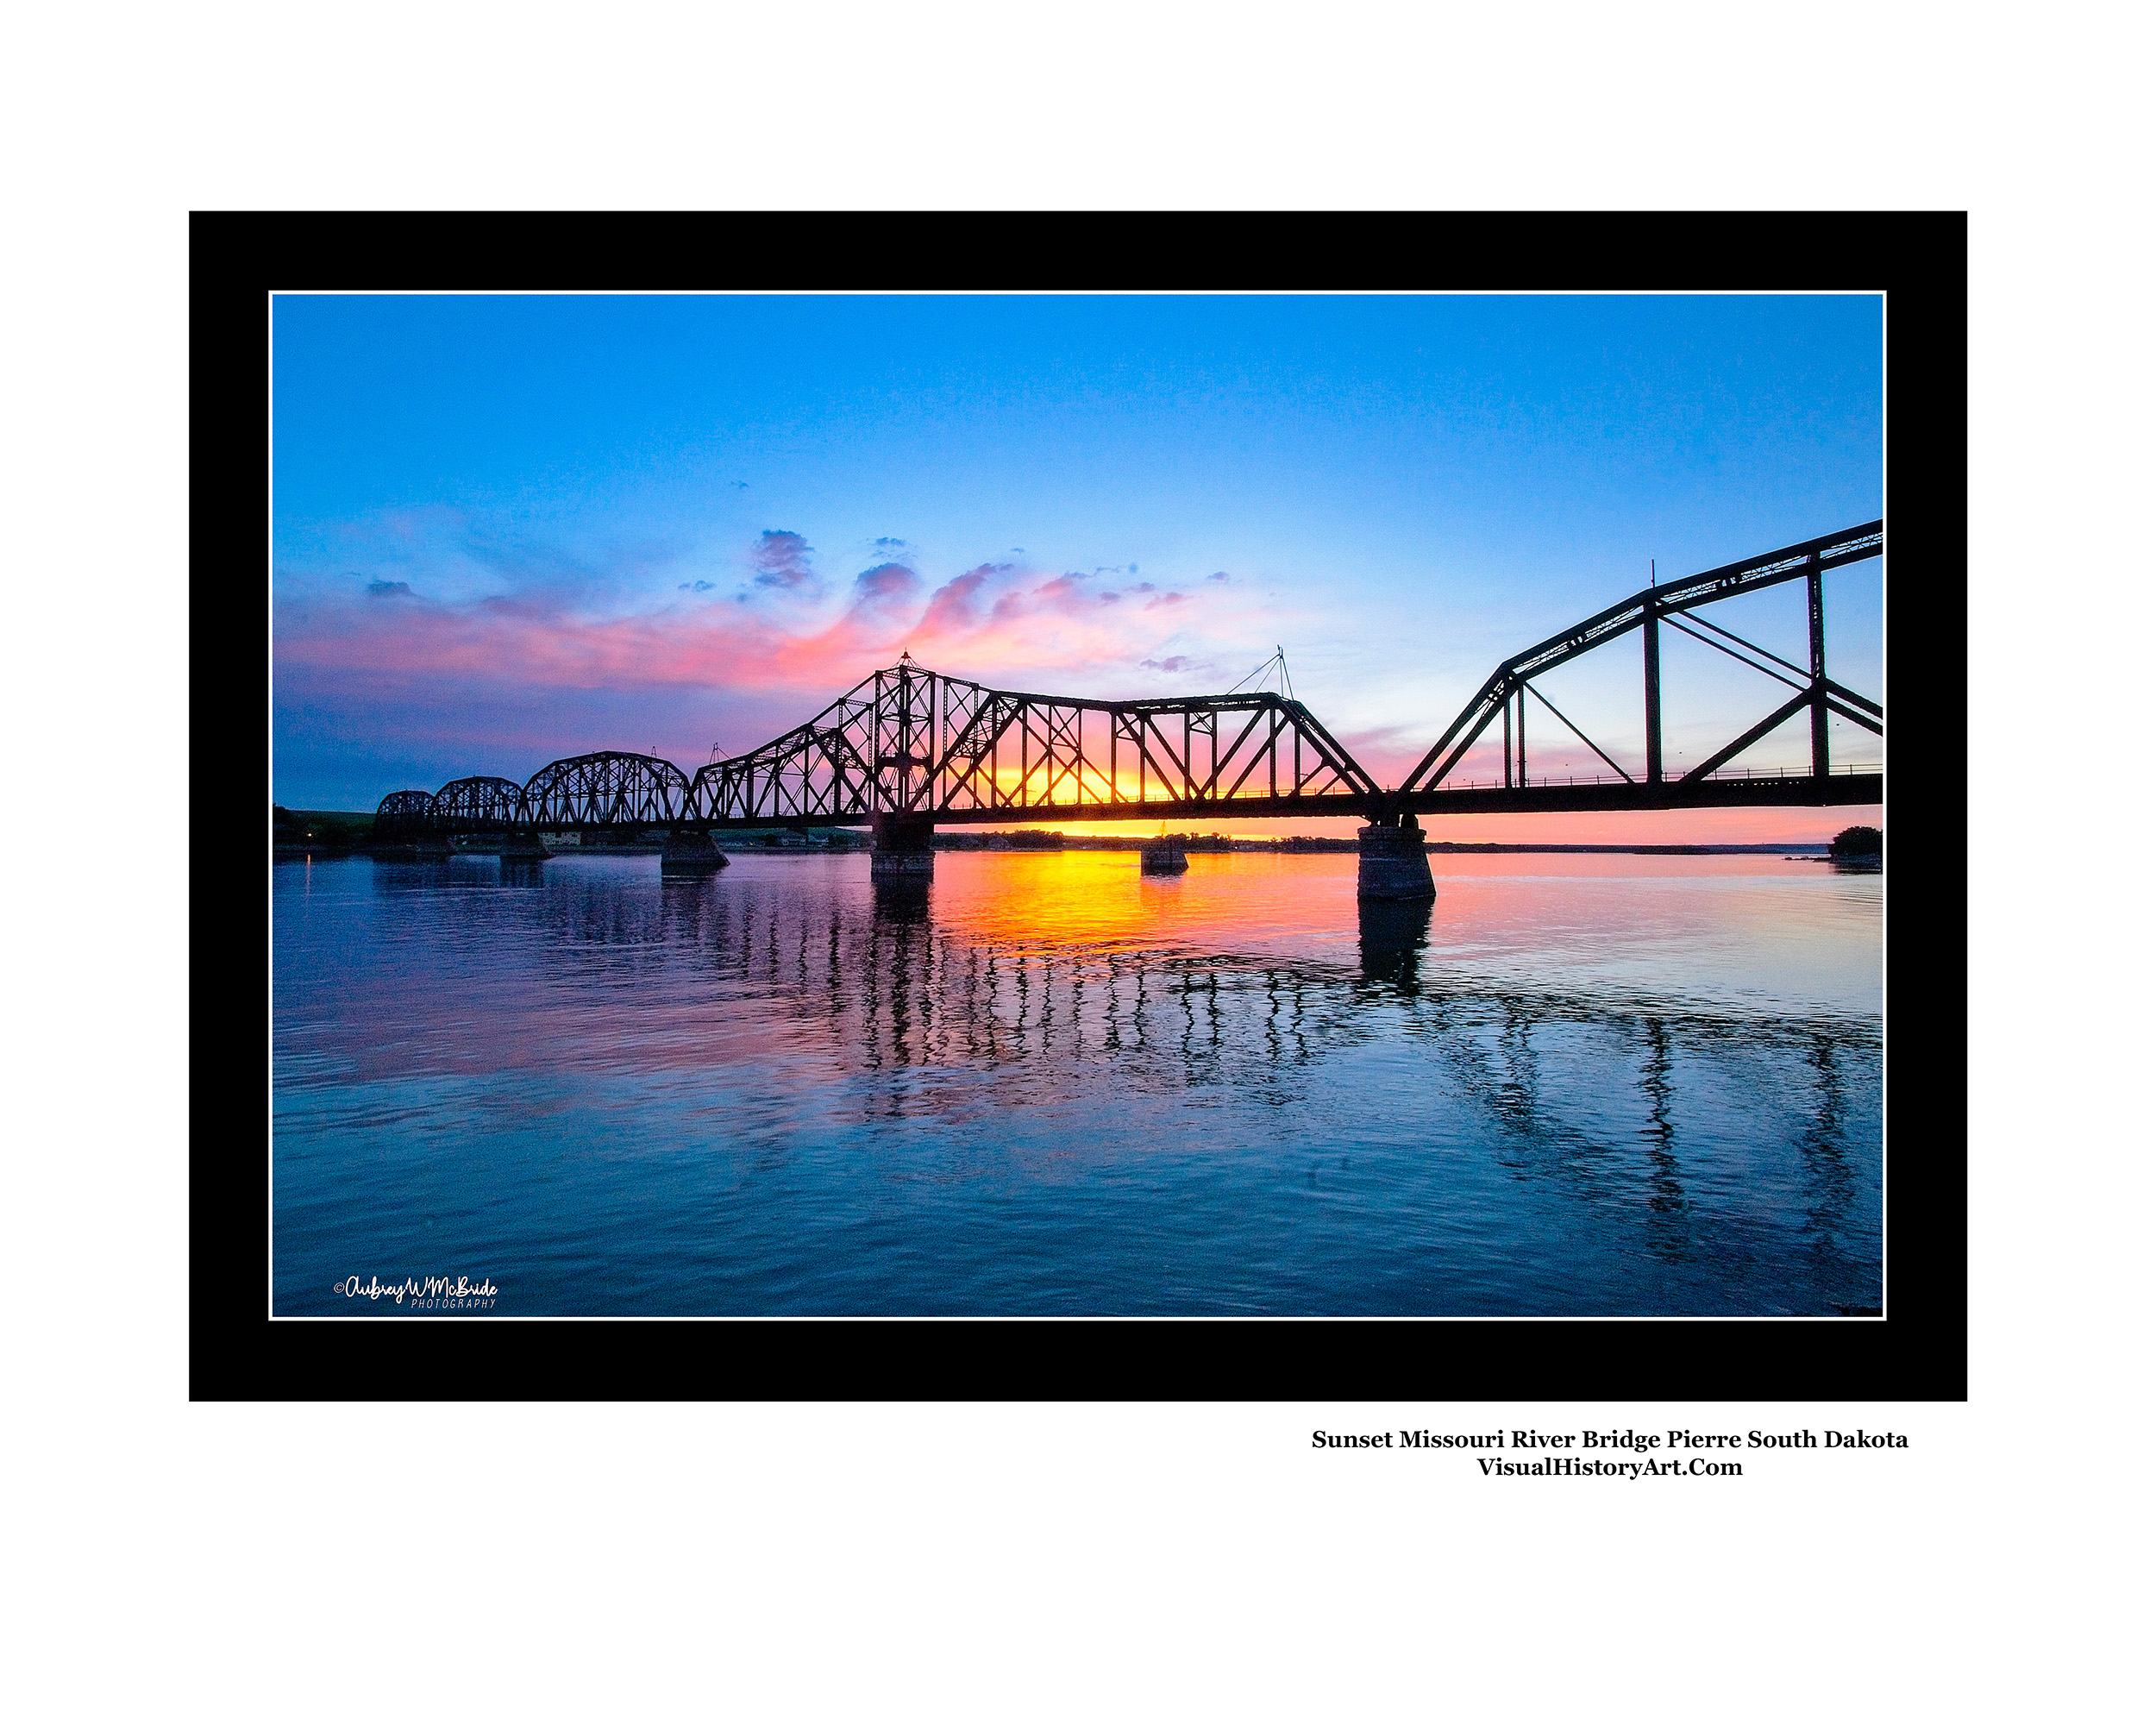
479,805
608,789
911,742
916,747
1503,697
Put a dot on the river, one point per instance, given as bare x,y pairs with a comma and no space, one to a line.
1048,1084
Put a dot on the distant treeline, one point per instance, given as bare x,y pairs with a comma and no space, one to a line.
322,830
338,830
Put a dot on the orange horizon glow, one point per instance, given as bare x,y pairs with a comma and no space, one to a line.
1644,827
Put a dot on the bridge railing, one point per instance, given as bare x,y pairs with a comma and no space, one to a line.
1847,768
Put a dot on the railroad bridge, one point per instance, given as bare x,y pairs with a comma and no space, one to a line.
907,749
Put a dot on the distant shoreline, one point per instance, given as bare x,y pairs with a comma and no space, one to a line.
1642,849
340,833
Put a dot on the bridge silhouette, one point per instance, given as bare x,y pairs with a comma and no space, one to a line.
907,749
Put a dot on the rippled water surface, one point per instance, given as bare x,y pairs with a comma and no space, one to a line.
1575,1085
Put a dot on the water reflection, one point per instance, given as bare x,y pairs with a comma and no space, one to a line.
1666,1201
897,993
1065,1014
1831,1183
903,899
1392,938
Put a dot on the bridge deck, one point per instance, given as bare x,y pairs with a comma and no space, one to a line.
1791,791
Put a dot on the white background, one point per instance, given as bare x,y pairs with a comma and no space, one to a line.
1087,1562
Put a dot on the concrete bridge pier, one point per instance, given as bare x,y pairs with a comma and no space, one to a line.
523,844
1393,863
905,849
690,851
1163,856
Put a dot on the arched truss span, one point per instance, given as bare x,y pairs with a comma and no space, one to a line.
403,814
607,789
1677,606
478,806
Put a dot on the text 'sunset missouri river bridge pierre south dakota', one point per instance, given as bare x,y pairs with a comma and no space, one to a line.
1626,1454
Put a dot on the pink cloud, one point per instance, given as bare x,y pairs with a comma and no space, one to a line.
952,610
885,586
780,559
999,623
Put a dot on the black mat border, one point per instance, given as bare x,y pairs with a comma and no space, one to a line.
1918,1351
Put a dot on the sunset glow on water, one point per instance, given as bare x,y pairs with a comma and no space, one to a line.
1048,1083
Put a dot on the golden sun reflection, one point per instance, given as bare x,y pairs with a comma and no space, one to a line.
1061,899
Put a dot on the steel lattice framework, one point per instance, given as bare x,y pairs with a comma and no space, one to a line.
404,814
908,740
1676,604
911,743
610,788
476,806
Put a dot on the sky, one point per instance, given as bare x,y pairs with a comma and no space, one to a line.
511,528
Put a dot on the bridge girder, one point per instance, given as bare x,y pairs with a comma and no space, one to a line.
403,814
478,805
909,741
611,788
1646,611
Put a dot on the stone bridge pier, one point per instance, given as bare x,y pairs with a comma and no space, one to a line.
904,848
690,850
1393,864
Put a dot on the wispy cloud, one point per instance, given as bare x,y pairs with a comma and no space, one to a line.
780,559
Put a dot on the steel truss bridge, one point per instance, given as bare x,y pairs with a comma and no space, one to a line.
911,744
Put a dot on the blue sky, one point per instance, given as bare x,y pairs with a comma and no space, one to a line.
508,529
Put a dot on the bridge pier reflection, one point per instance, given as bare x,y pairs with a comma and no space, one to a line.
1393,934
900,898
